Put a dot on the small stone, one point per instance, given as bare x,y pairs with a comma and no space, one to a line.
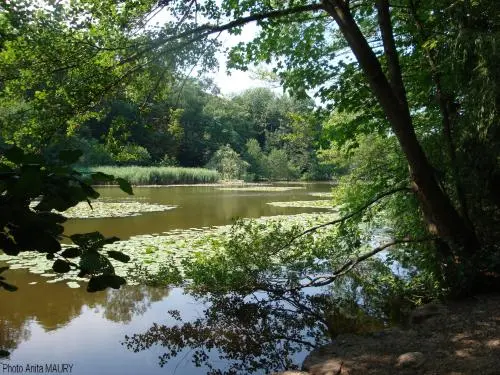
410,360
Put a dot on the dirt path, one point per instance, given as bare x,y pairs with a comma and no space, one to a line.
454,339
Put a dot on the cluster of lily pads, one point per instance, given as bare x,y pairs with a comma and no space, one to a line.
151,251
322,203
101,209
263,188
321,194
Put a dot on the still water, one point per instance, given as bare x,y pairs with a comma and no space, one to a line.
45,323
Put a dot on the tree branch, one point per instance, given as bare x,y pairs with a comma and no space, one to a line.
206,30
348,216
395,77
349,265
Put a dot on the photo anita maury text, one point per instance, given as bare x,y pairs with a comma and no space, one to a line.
37,368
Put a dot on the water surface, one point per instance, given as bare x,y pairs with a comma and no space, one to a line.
52,323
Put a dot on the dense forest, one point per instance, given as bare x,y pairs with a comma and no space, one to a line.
398,101
63,88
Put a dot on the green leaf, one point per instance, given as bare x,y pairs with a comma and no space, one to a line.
118,255
70,156
4,353
60,266
99,283
71,252
96,284
93,262
88,241
8,287
101,177
125,186
46,243
110,240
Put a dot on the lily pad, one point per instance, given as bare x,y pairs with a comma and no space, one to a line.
263,188
113,209
321,194
323,203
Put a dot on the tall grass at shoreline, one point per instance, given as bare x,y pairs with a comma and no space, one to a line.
159,175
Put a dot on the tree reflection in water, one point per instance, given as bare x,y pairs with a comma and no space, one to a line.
54,306
261,332
131,300
12,333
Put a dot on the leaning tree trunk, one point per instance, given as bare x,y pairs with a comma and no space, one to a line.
438,210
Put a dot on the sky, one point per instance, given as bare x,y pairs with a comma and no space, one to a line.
236,81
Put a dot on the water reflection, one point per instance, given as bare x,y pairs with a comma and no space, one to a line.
197,206
51,322
264,332
131,301
53,306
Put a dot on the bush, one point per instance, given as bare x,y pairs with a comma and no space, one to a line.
132,154
279,167
228,163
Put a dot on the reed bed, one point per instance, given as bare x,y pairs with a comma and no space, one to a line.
160,175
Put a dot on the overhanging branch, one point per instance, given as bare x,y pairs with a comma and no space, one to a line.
349,265
206,30
348,216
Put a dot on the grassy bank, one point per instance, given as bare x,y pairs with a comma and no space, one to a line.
160,175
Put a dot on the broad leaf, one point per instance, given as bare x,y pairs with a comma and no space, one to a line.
71,252
60,266
125,186
118,255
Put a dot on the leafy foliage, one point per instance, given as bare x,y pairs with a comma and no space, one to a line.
30,189
228,163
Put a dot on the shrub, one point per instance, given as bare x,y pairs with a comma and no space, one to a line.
228,163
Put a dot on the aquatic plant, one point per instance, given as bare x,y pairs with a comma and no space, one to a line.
160,175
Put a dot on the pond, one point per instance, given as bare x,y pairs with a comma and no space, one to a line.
51,323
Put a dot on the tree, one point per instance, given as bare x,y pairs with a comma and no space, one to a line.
301,38
228,163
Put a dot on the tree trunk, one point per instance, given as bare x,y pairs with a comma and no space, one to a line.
438,210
